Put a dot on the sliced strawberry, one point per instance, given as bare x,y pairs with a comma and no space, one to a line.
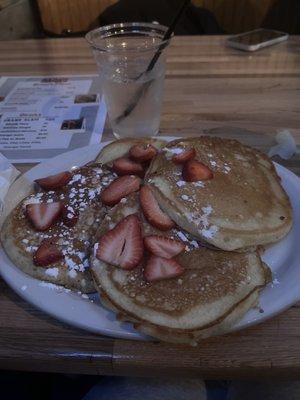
152,211
142,152
184,156
163,246
158,268
43,215
54,181
122,246
69,216
126,166
120,188
46,254
194,170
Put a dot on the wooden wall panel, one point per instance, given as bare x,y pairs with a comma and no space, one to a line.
76,15
236,16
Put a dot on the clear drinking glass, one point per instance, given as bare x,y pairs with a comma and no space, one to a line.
132,94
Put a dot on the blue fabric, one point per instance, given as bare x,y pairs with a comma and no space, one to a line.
117,388
217,390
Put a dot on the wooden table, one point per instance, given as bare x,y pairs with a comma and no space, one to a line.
207,86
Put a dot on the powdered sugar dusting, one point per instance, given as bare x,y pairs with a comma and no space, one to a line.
190,242
182,236
96,245
227,169
170,152
31,249
31,200
75,178
207,210
275,282
72,273
210,232
202,221
198,184
52,272
79,193
180,183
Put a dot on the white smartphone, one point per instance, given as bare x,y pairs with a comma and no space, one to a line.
254,40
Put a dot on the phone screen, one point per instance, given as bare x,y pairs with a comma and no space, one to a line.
256,37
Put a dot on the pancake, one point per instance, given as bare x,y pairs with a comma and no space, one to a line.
216,289
119,148
243,205
20,240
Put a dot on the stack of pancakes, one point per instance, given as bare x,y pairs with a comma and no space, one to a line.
223,221
21,239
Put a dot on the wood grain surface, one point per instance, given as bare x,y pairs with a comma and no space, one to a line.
70,15
77,15
207,86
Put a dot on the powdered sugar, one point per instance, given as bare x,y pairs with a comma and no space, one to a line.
75,178
210,232
96,245
195,244
202,221
81,191
72,273
172,151
30,249
207,231
182,236
198,184
98,170
190,242
31,200
92,194
227,169
71,264
180,183
52,272
207,210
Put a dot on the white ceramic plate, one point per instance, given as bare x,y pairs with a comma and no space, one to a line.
283,258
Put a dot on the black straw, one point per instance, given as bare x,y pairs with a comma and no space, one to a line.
166,36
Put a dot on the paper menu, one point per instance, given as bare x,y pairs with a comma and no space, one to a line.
41,117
